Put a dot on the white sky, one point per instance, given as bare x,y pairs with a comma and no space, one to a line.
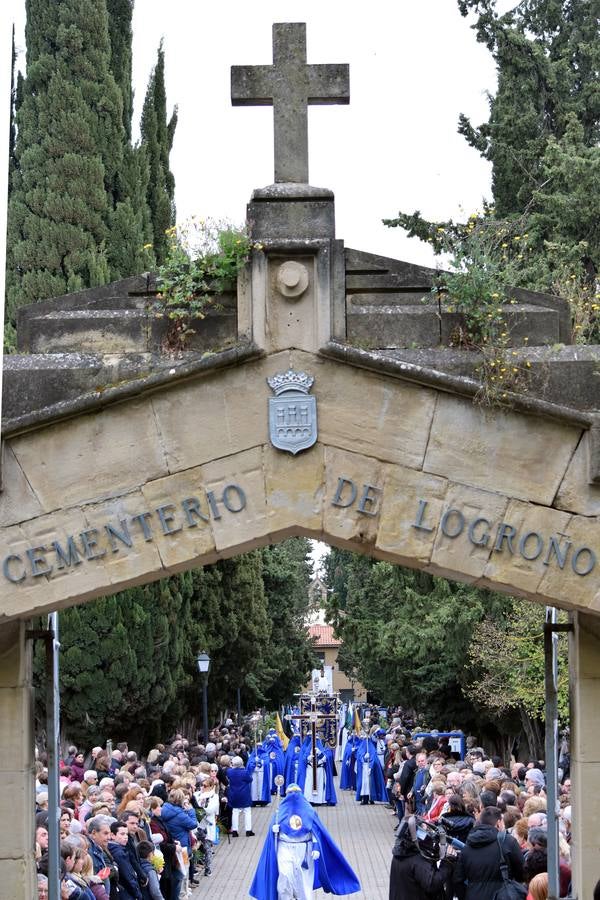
414,66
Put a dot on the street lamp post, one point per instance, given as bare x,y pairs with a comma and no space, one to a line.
203,660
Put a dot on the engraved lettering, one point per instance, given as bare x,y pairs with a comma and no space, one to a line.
539,545
191,508
236,490
62,559
166,517
143,518
506,533
418,524
367,499
8,561
36,558
561,553
485,537
114,535
341,485
458,528
590,564
89,540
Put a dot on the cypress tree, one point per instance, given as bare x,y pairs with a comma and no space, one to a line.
129,244
120,14
548,57
157,140
68,152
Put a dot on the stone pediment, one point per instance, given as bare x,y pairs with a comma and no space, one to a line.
83,348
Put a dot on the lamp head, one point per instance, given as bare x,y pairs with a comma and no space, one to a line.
203,661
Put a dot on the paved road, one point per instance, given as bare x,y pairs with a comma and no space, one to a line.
364,833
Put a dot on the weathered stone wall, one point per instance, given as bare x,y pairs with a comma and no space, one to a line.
186,475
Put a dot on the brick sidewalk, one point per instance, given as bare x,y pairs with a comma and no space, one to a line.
364,833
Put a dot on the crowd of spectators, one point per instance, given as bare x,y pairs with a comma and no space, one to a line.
140,829
145,829
474,800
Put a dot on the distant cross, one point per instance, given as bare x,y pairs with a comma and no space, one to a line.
289,86
312,718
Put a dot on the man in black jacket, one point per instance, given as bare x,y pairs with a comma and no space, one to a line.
407,778
414,874
129,886
477,874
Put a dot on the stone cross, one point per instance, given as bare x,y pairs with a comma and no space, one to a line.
289,86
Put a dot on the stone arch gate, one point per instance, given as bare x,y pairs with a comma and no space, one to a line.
116,480
146,479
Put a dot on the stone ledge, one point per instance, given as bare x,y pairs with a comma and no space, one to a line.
454,384
95,400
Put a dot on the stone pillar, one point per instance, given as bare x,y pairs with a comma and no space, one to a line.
17,867
585,753
294,293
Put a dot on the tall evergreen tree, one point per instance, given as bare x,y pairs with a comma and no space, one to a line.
286,577
129,244
157,140
68,153
120,14
543,140
406,635
78,214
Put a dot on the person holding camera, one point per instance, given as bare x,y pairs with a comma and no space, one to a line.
415,874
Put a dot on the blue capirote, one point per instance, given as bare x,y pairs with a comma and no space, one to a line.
332,872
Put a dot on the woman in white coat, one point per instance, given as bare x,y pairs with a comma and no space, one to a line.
208,800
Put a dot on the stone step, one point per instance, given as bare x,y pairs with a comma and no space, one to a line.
121,330
424,325
36,381
392,298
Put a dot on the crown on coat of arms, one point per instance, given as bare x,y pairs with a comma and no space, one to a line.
290,380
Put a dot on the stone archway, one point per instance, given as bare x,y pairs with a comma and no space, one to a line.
184,473
117,476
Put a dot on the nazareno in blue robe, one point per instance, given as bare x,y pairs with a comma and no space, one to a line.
377,791
332,871
258,755
275,759
348,768
305,752
292,761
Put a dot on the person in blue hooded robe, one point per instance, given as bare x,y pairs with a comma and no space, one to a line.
258,766
292,761
299,856
276,760
348,772
370,783
325,792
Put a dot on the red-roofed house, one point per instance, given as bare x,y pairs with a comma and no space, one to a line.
326,648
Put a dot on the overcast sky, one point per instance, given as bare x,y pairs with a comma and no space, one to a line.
414,66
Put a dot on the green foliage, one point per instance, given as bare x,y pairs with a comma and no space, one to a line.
128,662
548,58
459,656
123,664
157,140
78,213
406,634
204,260
286,578
507,656
542,138
68,152
120,13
